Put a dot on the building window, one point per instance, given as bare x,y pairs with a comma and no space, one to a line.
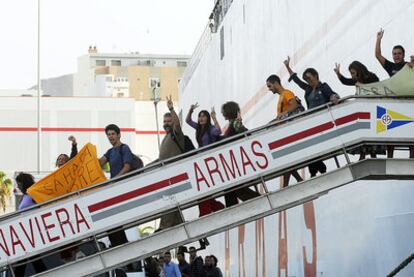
154,82
181,64
221,43
116,62
100,63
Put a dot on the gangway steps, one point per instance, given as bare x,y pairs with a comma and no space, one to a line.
183,181
266,204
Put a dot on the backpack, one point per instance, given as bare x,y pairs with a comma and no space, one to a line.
300,107
136,162
231,131
188,144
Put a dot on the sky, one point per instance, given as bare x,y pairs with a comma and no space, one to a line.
68,27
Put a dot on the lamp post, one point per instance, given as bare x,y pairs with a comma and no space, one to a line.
39,117
156,98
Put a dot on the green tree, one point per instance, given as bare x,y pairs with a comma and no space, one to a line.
5,189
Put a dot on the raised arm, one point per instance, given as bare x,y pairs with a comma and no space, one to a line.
411,63
189,114
287,64
175,119
214,117
378,53
294,76
344,81
74,150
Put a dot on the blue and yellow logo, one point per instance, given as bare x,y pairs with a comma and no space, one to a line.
388,119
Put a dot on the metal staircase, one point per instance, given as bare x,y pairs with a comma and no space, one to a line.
182,182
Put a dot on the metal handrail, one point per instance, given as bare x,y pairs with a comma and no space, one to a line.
193,203
357,175
165,162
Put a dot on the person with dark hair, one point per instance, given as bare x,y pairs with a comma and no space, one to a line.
172,145
398,55
214,260
119,156
288,105
152,267
63,158
359,74
316,94
183,265
231,112
206,133
211,267
120,159
196,264
24,182
170,268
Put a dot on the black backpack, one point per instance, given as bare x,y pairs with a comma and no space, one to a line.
136,162
188,144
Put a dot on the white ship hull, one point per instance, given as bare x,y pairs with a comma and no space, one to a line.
363,229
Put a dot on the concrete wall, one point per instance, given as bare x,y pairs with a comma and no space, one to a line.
61,116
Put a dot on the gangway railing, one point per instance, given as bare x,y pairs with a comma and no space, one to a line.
264,205
183,181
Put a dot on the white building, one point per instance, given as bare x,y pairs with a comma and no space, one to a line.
83,117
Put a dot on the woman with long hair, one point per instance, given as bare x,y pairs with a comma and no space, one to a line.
360,75
206,133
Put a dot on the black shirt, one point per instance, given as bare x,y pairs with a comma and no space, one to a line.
184,268
393,68
370,78
197,268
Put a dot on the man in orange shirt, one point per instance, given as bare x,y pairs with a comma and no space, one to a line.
286,106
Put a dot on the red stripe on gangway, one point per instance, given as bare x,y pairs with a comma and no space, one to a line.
138,192
352,117
318,129
71,129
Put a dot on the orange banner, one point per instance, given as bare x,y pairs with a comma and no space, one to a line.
80,172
